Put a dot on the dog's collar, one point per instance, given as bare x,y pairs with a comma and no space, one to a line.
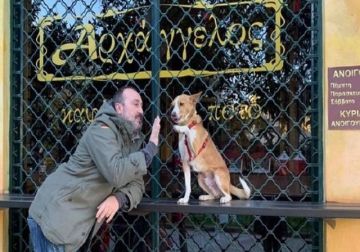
191,157
192,124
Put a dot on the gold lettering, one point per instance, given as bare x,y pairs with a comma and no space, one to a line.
216,33
87,31
148,48
254,111
214,112
257,42
185,41
211,108
102,50
232,30
200,35
147,37
78,115
228,112
172,34
138,39
67,118
243,108
93,114
125,45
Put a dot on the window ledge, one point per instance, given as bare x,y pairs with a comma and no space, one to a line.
240,207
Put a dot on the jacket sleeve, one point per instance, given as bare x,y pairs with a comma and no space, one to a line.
106,154
134,192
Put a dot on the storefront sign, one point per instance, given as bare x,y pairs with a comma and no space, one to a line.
344,98
118,44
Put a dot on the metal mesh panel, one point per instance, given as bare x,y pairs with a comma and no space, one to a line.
256,64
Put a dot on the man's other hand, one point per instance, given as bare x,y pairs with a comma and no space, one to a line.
107,209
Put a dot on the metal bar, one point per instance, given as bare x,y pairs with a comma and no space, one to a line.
16,37
155,85
240,207
317,24
255,207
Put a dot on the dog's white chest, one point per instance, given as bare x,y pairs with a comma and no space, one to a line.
187,155
183,149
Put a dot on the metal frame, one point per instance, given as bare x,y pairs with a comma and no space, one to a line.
316,209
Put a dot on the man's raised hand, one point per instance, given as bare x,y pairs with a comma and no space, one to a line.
154,137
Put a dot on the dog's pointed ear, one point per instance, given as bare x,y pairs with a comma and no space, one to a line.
196,97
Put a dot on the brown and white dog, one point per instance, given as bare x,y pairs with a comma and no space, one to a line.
197,150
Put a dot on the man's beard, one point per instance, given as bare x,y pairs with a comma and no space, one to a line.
138,124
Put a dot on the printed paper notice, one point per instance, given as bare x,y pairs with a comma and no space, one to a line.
344,98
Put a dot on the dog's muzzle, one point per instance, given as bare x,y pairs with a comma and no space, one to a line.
174,117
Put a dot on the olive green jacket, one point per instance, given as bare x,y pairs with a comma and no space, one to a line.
107,160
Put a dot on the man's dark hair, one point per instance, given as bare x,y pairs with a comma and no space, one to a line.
118,96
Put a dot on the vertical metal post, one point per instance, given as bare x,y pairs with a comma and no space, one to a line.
155,105
317,97
16,132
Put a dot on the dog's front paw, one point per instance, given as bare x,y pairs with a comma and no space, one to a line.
183,201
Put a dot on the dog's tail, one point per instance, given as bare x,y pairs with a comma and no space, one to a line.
241,193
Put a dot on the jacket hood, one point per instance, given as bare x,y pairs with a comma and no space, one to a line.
111,118
106,110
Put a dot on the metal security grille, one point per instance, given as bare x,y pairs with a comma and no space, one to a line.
256,63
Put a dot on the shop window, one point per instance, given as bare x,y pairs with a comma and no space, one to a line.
255,62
